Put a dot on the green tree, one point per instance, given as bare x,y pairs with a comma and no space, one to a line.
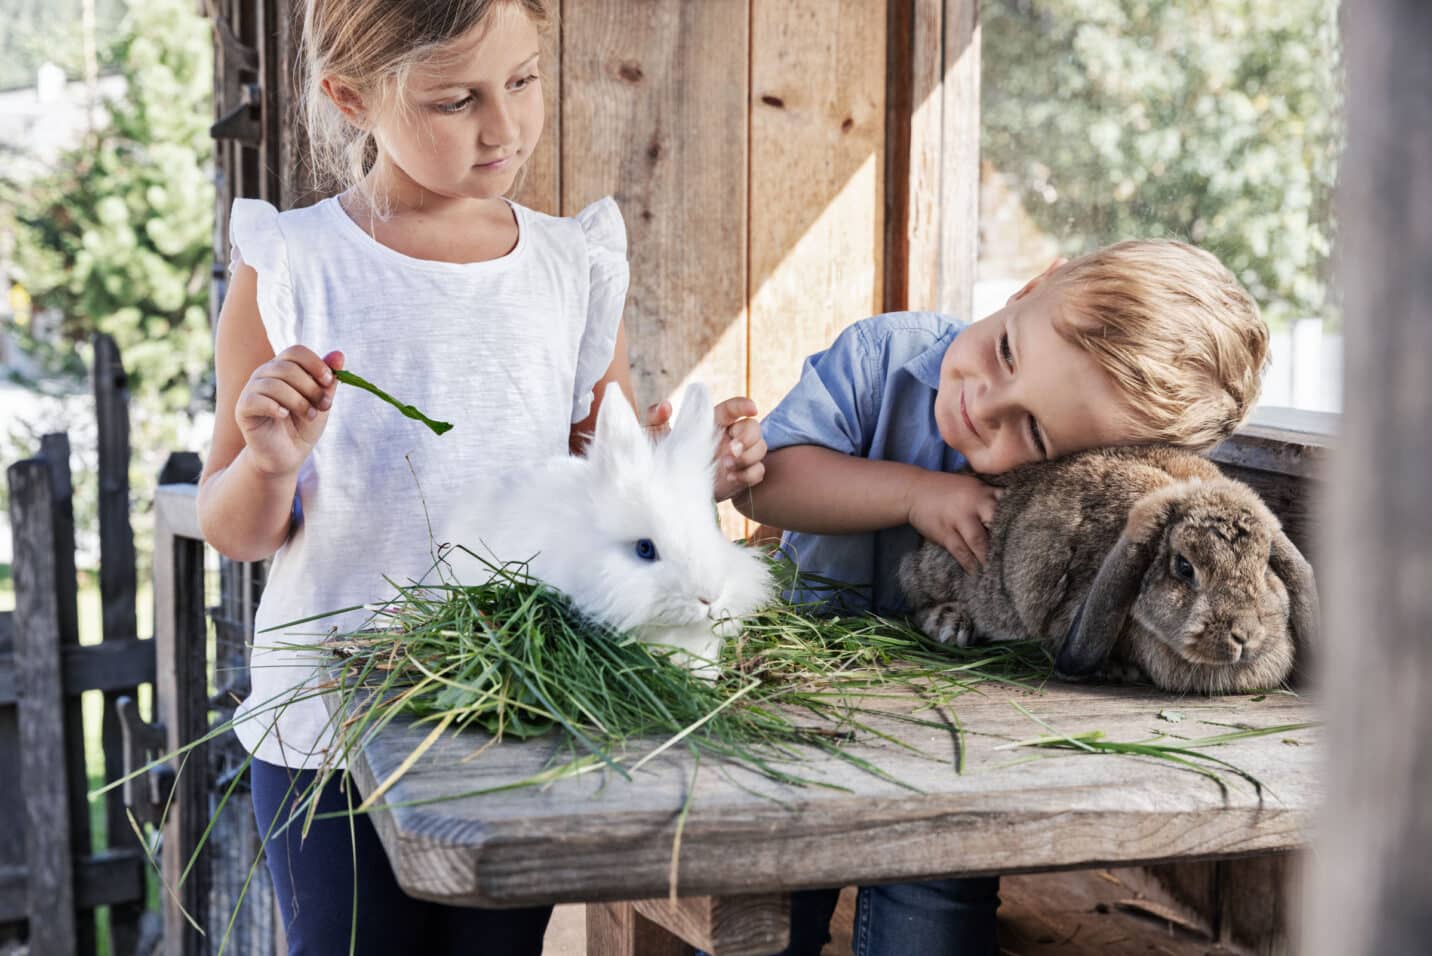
1214,121
117,236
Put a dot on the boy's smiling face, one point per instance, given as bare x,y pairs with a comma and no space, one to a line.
1013,390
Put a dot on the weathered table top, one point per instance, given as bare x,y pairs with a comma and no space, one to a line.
601,837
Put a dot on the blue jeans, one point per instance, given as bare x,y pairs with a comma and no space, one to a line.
933,918
314,879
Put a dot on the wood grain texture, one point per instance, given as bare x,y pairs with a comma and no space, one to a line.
817,230
540,185
740,925
44,763
181,697
653,112
596,838
914,120
1371,885
617,929
118,586
960,158
55,451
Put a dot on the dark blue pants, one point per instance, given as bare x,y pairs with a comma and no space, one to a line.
314,879
933,918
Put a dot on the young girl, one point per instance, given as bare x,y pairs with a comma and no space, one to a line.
499,319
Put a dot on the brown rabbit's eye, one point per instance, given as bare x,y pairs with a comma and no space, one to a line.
1183,568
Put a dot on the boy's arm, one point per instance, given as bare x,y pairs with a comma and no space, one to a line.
820,491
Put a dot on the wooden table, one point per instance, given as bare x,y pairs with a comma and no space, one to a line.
599,837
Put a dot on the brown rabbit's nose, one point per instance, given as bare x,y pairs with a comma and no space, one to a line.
1239,636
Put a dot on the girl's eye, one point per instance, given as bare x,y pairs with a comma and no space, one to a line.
646,550
456,107
1004,351
526,81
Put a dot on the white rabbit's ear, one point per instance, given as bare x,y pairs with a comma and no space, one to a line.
619,437
693,435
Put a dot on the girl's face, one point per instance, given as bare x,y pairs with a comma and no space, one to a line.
474,117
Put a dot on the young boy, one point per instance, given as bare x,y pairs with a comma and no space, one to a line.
1140,341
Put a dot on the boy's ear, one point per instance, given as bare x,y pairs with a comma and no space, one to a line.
348,100
1033,284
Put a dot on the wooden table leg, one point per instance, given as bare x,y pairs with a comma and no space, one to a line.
616,929
753,925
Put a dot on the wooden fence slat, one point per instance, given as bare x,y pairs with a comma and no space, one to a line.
181,695
55,452
12,804
817,159
43,753
118,585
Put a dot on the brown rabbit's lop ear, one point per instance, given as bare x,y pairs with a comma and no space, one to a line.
1096,626
1289,564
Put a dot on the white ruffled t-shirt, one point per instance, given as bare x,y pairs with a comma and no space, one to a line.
507,350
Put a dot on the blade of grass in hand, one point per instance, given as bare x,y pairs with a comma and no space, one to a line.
349,378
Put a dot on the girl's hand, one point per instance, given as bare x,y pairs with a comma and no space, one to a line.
284,406
955,511
741,456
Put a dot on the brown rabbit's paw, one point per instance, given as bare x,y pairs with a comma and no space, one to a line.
1122,672
946,623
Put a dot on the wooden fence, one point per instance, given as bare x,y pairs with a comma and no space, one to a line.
50,880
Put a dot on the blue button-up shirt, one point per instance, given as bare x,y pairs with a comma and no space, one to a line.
872,394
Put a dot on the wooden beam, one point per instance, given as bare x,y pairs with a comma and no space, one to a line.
933,155
1371,880
740,925
112,666
617,929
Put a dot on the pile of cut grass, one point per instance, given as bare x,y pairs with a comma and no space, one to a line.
513,659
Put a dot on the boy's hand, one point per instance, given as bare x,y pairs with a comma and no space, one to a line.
284,406
955,512
741,455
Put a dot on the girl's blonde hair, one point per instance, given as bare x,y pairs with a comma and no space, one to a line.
373,47
1181,338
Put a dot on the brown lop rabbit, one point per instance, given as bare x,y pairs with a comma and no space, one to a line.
1140,558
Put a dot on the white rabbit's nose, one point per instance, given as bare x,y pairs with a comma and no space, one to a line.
704,600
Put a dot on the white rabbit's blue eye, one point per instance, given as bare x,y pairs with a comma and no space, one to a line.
646,550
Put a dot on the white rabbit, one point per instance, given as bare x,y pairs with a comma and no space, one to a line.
628,532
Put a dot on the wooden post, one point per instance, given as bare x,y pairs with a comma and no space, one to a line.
617,929
932,155
118,589
182,692
55,452
43,750
1371,876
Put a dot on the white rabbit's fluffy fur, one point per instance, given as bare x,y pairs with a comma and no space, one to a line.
578,522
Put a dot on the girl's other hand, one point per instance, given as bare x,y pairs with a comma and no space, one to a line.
741,456
284,406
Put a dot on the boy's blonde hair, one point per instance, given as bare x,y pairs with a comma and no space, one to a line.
1181,338
373,47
